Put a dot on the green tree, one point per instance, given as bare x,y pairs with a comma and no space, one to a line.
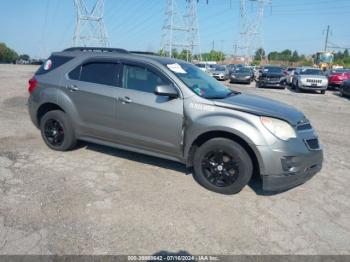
259,54
24,57
7,55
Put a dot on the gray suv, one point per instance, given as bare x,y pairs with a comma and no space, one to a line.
171,109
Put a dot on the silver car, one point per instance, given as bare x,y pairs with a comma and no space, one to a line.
309,78
219,72
171,109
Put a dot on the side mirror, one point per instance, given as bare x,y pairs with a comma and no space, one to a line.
166,90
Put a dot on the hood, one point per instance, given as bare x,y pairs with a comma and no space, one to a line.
272,74
218,72
313,76
262,107
240,74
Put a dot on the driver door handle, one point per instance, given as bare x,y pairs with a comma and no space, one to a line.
72,88
125,100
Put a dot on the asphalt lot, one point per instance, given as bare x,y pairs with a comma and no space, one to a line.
99,200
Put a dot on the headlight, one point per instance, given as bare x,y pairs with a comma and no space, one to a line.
247,77
233,76
279,128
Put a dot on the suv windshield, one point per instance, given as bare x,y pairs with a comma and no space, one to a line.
199,82
274,70
242,70
219,68
310,72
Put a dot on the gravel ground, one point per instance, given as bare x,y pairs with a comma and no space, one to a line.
99,200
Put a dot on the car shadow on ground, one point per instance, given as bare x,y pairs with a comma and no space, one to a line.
255,183
340,96
137,157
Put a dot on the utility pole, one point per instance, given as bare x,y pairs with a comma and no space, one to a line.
90,29
326,42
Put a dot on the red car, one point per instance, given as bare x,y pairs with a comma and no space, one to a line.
337,76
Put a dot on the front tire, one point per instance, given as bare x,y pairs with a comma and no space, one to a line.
223,166
57,131
323,92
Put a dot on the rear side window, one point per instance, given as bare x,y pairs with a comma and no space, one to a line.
52,63
141,79
96,72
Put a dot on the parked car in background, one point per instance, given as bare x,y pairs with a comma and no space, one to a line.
271,76
231,67
309,78
219,72
202,66
289,74
345,88
241,75
337,76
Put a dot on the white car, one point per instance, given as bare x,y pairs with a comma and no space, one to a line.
308,78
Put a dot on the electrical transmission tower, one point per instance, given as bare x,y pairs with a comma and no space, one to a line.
90,29
251,15
180,31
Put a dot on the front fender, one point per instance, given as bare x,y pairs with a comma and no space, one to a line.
242,125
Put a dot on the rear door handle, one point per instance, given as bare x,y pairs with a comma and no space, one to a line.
72,88
125,100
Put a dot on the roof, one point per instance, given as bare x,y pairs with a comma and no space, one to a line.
118,51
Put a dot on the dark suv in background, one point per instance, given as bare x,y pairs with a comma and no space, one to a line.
171,109
272,76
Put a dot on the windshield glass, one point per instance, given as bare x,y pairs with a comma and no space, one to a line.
200,65
274,70
340,71
242,70
310,72
198,81
219,68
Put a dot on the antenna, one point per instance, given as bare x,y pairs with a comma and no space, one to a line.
250,26
90,29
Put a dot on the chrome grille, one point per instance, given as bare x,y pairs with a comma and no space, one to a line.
314,81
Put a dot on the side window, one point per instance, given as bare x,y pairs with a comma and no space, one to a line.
141,79
96,72
75,74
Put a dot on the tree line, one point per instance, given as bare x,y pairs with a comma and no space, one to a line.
186,55
8,55
293,57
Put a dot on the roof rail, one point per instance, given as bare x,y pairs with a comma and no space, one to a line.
96,49
142,53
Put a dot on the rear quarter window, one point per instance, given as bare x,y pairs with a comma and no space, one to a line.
52,63
103,73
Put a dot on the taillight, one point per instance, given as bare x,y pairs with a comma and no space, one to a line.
32,84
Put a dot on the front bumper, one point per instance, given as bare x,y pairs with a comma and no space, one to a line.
286,164
219,77
305,167
310,87
272,84
240,80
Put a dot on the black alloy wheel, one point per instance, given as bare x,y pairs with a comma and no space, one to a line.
220,168
54,132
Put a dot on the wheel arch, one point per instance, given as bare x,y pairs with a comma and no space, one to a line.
202,138
46,107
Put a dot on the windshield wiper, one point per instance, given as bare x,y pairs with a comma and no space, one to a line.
231,93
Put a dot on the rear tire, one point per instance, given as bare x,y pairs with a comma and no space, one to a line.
223,166
57,131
